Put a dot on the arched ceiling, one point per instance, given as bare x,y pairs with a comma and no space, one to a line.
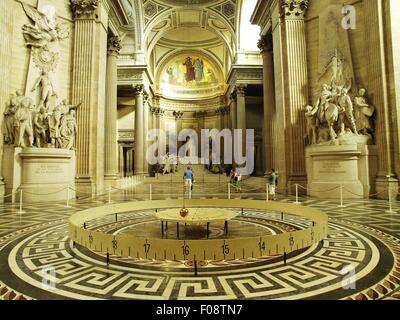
200,28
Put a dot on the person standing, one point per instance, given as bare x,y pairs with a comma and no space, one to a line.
188,180
273,183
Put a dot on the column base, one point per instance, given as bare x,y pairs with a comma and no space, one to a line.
110,181
2,190
85,187
382,187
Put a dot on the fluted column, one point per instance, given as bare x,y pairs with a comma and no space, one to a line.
6,41
378,85
295,84
88,87
241,114
265,44
111,144
146,111
139,130
233,105
121,162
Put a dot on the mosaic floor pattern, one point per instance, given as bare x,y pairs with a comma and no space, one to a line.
38,261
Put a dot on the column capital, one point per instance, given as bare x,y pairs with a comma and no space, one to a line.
114,46
178,115
241,90
294,9
139,89
265,44
233,96
84,9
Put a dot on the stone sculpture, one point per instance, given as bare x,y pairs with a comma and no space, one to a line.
363,112
28,126
336,114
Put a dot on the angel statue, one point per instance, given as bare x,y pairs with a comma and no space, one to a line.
46,29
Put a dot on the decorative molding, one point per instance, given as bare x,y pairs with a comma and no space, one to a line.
178,114
296,9
114,45
84,9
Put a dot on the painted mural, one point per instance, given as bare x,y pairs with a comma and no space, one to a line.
189,75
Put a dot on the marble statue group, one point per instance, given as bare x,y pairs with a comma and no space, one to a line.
336,112
29,126
41,122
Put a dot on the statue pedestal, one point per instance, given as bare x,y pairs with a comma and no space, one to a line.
41,174
352,165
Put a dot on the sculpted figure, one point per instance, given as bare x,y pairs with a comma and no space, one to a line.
68,130
45,29
312,125
23,122
346,111
41,127
363,112
9,119
328,112
54,127
46,89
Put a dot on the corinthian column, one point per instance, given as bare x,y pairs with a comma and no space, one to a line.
88,86
233,108
139,130
6,41
295,84
111,145
265,45
146,112
241,113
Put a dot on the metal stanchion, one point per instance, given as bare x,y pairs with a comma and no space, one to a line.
267,190
341,197
390,198
109,195
20,202
151,192
229,191
297,194
67,206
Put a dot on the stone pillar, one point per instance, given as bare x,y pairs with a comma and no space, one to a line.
146,111
241,114
139,130
265,44
121,162
88,87
129,162
295,87
6,41
378,85
233,98
111,143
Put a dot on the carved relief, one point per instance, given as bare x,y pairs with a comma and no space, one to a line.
295,8
114,45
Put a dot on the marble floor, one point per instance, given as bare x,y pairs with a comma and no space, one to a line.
38,261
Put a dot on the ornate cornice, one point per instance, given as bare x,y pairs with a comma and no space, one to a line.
296,9
114,45
265,44
84,9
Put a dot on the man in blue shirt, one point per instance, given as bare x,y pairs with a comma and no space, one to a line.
188,179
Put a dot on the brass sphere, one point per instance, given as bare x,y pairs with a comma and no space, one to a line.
184,212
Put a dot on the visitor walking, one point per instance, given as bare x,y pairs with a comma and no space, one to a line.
273,184
188,181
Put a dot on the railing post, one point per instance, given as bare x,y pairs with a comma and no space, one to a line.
229,191
390,198
341,197
68,206
267,190
20,202
297,194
